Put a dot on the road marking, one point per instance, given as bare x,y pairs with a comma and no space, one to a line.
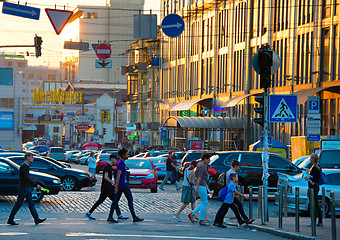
74,223
81,234
45,223
13,234
76,219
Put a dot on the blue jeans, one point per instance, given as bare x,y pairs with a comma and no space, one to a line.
127,192
168,174
22,194
202,208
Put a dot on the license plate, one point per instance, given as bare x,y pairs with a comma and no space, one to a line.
135,182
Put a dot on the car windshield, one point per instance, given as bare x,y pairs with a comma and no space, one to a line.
57,150
305,164
214,158
193,156
139,164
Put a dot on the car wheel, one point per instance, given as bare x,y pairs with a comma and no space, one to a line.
69,184
327,205
37,194
154,190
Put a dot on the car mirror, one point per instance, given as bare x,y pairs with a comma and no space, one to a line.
158,169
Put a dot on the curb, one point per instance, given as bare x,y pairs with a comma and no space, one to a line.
277,232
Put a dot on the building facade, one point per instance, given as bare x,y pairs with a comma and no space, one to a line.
111,24
210,63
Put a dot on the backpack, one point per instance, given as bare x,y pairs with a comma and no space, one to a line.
222,194
323,178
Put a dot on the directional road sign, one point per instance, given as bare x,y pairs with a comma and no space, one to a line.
103,51
21,10
172,25
313,138
58,18
283,108
103,64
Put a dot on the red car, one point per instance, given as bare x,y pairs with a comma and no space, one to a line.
102,159
143,173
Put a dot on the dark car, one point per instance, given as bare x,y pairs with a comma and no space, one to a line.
250,173
9,181
72,179
188,157
61,164
42,149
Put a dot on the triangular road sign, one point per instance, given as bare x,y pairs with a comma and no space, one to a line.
283,111
58,18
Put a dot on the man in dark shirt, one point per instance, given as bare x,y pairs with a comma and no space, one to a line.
25,192
107,189
170,169
313,183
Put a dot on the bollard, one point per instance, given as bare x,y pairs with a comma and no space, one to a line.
285,200
263,213
312,210
297,209
259,200
250,202
323,202
333,216
242,198
280,205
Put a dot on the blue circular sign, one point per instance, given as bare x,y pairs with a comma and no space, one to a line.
172,25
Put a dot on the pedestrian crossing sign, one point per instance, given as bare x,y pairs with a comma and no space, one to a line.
283,108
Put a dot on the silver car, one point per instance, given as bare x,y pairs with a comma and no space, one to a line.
159,162
333,184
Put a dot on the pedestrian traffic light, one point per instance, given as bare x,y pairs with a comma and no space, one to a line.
259,110
265,60
104,131
37,43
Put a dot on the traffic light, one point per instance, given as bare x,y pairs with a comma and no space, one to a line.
259,110
37,43
104,131
265,60
61,117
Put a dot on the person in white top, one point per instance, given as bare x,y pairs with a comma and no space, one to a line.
92,164
187,196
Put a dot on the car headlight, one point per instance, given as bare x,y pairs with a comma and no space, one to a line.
150,176
55,181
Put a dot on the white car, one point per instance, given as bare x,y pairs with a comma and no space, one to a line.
333,184
68,154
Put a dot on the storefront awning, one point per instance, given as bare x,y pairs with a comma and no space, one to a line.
305,93
234,101
204,122
186,105
91,130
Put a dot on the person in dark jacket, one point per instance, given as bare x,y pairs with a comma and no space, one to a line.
313,183
25,192
170,172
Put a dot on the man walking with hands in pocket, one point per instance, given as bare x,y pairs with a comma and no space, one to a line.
24,191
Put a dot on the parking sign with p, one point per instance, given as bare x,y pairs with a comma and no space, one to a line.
313,104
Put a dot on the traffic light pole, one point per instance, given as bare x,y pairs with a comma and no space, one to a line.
265,154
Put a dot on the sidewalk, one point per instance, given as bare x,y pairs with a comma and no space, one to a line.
288,228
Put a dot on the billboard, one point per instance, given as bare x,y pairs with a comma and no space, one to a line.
29,127
6,120
43,114
6,76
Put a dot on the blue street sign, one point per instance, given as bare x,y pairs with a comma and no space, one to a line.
313,104
21,10
164,135
172,25
103,64
96,133
313,138
283,108
48,138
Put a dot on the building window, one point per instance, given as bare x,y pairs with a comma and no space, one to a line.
51,77
92,15
7,102
55,129
21,64
30,76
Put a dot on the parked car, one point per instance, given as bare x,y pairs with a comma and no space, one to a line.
42,149
9,181
75,158
72,179
143,173
69,153
27,145
109,150
188,157
61,164
57,153
300,160
160,162
251,169
140,155
85,159
333,184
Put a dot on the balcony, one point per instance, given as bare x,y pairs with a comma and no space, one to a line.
141,67
130,69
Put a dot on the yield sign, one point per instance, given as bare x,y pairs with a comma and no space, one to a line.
58,18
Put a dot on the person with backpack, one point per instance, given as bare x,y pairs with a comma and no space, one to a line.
228,202
313,183
188,183
235,166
